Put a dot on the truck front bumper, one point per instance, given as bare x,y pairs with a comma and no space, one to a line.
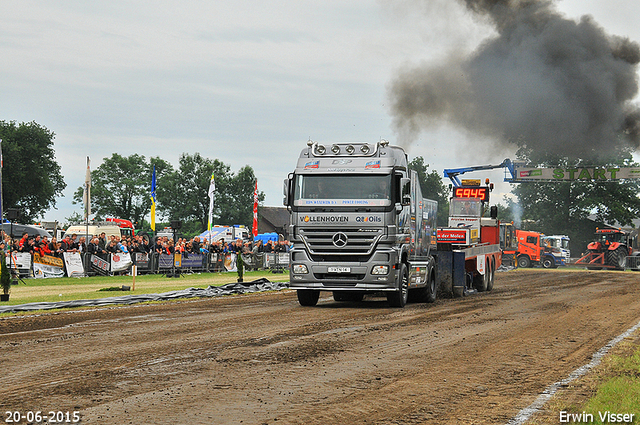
377,274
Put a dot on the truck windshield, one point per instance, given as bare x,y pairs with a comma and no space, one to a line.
465,207
342,190
556,242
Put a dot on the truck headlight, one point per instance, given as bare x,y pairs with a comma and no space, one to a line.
380,270
300,269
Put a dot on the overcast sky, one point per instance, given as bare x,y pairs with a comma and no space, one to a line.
246,82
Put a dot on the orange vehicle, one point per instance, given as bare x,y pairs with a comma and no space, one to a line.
611,248
532,250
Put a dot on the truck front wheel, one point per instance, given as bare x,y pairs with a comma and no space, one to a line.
428,293
524,262
398,298
308,297
548,262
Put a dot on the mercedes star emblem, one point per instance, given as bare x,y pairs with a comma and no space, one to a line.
340,240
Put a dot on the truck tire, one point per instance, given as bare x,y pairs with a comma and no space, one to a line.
617,258
428,293
492,275
398,298
524,262
548,262
308,297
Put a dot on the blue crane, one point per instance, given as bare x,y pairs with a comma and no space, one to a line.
453,173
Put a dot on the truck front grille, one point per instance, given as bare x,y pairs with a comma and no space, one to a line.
343,242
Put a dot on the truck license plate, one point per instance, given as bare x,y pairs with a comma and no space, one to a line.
339,269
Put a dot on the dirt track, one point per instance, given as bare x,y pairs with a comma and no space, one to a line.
262,358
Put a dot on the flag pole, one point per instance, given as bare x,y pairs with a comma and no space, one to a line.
87,202
212,191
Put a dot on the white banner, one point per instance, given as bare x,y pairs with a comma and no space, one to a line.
120,261
283,258
73,262
21,260
230,262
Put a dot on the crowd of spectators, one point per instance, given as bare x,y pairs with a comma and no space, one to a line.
195,245
102,246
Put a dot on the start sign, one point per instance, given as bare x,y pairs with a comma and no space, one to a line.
475,192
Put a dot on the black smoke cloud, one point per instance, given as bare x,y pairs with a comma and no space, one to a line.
557,85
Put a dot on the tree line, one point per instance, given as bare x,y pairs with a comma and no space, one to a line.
121,187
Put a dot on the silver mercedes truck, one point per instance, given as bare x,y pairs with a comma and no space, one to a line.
359,225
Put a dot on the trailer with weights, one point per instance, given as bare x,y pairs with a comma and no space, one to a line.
470,246
359,224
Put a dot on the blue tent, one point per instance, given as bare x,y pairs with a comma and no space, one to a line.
266,237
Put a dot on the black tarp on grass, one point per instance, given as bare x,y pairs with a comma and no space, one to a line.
260,285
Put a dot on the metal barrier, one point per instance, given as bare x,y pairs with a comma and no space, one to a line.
147,263
632,263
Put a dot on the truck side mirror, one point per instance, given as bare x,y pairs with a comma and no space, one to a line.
405,190
285,191
494,212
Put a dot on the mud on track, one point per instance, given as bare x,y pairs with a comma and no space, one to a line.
262,358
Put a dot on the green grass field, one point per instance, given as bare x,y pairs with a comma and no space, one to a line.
68,288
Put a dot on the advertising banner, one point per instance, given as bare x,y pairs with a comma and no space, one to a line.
120,261
165,261
575,174
47,266
20,260
230,262
455,236
142,260
73,261
100,265
192,261
283,258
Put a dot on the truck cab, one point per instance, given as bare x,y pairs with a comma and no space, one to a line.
359,224
534,248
